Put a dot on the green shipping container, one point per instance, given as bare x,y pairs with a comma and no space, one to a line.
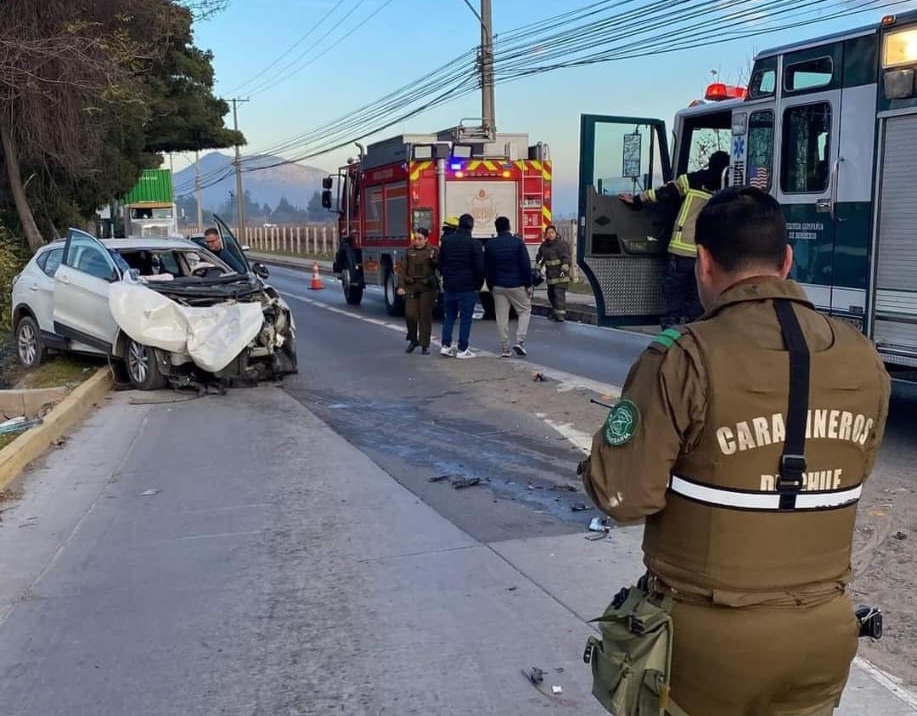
155,185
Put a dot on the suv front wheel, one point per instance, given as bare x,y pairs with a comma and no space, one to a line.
142,367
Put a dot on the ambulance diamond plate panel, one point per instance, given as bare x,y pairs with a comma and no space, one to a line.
897,242
631,287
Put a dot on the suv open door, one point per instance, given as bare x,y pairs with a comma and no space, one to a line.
622,250
232,245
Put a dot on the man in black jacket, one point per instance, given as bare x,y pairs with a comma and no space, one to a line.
508,269
461,264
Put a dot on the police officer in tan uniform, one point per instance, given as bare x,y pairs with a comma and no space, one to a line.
418,284
744,440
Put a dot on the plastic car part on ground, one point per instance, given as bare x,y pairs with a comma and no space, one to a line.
212,336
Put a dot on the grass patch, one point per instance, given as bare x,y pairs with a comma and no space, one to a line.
4,441
59,371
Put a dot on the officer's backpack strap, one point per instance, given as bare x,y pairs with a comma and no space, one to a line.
793,460
632,660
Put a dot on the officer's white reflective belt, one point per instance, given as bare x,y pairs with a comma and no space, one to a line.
751,500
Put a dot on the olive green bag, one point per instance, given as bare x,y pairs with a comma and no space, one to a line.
632,661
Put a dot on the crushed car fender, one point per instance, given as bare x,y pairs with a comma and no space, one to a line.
211,335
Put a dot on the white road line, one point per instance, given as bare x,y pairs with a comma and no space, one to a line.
565,381
892,683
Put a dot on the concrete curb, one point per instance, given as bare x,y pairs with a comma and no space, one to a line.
63,417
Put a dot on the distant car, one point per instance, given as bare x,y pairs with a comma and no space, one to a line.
179,309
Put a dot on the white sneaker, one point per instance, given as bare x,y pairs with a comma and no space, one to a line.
505,352
520,349
448,351
465,354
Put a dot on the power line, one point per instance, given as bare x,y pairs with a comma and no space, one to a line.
629,39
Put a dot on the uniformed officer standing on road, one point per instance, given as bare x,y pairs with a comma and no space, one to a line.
418,284
744,440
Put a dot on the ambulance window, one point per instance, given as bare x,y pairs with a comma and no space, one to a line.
763,78
704,142
760,157
804,166
808,75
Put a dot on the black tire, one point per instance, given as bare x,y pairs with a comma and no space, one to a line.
352,294
487,303
30,349
142,366
394,304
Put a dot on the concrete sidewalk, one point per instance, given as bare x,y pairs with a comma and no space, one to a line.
580,307
286,573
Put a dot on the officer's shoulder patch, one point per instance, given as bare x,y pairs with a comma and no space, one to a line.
666,339
622,422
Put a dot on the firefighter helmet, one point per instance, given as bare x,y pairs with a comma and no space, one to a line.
451,221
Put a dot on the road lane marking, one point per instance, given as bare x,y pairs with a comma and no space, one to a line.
566,381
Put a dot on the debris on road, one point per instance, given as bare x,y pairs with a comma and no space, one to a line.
463,482
599,524
149,493
536,675
438,478
565,488
578,507
539,378
18,425
557,690
900,535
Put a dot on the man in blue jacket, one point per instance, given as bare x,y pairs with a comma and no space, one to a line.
461,264
508,268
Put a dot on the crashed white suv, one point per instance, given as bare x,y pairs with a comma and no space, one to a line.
169,309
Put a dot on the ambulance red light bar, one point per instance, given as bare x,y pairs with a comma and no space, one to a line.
717,92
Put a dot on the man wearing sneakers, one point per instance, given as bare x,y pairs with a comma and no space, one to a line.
461,264
508,269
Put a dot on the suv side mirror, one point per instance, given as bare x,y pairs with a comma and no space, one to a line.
260,270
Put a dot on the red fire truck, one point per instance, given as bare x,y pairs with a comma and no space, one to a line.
418,180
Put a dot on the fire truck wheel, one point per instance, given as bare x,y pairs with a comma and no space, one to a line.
352,294
487,303
394,304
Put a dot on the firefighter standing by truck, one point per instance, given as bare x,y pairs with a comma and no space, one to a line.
743,440
554,255
692,189
418,284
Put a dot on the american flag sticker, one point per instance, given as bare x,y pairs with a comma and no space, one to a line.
758,177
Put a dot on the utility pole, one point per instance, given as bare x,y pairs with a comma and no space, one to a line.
197,190
240,196
488,111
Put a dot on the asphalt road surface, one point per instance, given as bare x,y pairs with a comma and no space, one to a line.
292,549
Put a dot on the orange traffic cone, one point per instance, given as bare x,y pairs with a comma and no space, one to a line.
316,284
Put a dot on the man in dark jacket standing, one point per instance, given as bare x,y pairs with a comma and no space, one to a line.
461,264
508,270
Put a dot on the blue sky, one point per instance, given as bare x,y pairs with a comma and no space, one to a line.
406,38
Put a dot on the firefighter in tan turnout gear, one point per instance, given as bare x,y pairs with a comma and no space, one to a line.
692,190
744,440
554,255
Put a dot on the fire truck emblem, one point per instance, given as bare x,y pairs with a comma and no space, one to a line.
482,207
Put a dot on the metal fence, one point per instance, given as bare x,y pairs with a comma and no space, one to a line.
321,240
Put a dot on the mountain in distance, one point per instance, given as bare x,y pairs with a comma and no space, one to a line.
296,182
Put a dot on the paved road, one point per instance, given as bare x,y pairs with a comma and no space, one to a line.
283,551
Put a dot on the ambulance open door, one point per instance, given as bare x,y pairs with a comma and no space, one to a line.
623,251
